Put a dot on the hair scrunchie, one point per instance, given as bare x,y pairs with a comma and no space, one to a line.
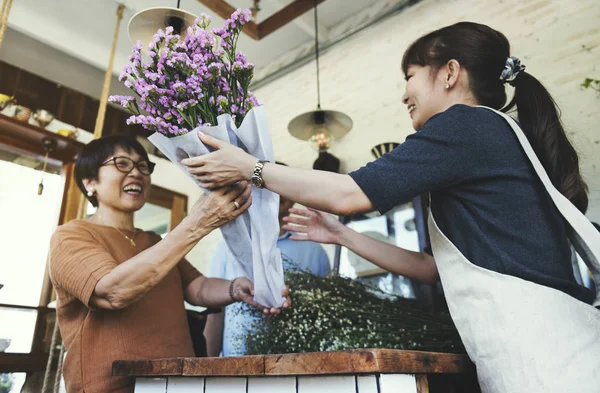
511,70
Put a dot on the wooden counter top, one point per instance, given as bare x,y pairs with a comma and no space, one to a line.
358,361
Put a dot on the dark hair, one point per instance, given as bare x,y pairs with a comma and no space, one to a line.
483,51
99,150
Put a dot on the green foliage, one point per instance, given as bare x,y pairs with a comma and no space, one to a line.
589,83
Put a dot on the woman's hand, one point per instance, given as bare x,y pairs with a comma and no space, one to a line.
220,206
314,225
243,290
223,167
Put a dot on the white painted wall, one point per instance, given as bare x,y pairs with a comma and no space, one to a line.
558,41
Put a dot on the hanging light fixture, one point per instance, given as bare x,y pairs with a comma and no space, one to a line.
255,8
143,25
320,127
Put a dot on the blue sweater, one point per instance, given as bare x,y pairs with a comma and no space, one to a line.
486,197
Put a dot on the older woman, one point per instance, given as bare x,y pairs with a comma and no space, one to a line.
121,290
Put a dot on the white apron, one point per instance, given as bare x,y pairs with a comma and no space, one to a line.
525,337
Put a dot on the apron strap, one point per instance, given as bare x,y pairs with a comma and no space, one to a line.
582,233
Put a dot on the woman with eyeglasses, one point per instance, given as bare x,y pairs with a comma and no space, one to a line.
120,290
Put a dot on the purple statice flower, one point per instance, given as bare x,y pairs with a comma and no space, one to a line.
124,101
203,21
251,100
241,16
127,102
218,31
153,76
224,86
136,55
222,101
179,87
189,82
240,57
141,119
215,69
183,105
165,101
123,76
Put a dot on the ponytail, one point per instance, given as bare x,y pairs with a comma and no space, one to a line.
485,54
539,118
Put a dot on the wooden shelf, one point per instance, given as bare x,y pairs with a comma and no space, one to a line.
22,362
24,136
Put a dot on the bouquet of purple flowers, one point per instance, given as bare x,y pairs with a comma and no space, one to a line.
189,83
194,84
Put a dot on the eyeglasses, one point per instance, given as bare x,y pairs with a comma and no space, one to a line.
126,165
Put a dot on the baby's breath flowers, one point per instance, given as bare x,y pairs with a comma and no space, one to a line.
336,313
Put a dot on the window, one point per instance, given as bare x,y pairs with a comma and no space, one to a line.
28,221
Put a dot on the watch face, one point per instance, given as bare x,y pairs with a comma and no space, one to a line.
256,181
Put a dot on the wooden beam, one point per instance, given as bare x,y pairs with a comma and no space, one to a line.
224,10
285,16
21,362
71,196
178,210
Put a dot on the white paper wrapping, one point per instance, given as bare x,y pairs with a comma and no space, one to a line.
252,237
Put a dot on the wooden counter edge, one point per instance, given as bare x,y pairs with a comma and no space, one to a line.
148,368
364,361
358,361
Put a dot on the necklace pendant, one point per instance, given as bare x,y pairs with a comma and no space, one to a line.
132,242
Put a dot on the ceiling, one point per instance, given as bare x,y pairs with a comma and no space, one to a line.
84,28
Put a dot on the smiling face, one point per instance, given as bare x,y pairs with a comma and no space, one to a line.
425,94
114,189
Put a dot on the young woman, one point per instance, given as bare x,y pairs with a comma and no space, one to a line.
120,290
505,200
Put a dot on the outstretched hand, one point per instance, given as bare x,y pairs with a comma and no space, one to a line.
243,290
313,225
223,167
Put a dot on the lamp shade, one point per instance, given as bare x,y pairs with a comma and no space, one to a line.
143,25
383,148
304,126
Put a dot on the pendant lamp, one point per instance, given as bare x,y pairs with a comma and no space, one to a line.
320,127
144,25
